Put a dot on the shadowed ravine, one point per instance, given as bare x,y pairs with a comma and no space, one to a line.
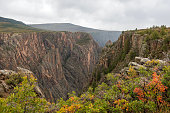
62,61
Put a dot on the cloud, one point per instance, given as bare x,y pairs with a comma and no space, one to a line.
101,14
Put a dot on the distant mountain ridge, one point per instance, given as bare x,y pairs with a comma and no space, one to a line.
11,25
12,21
65,27
100,36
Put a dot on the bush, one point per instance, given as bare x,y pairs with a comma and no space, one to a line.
132,54
14,79
166,82
166,41
155,35
24,99
127,93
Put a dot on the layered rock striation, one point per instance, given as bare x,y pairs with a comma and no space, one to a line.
61,61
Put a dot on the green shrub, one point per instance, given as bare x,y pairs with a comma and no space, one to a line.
24,99
14,79
123,94
155,35
132,54
166,82
166,45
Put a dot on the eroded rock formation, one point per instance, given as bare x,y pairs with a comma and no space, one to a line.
129,45
61,61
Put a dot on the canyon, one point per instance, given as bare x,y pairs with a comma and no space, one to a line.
66,61
61,61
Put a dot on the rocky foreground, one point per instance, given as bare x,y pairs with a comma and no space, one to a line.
10,79
141,87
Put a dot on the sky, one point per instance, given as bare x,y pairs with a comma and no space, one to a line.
99,14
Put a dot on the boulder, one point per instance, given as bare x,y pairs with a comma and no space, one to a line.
24,71
161,62
7,72
124,70
6,87
133,64
38,91
144,60
141,60
136,65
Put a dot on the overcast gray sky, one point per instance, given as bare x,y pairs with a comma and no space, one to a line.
100,14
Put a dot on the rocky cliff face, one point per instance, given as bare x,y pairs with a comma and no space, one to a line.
61,61
150,43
